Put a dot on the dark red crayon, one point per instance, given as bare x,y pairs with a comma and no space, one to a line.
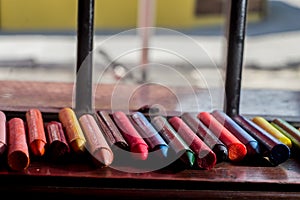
236,149
277,151
205,157
111,132
218,147
252,145
137,144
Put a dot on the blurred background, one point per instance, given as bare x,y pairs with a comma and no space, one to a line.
38,41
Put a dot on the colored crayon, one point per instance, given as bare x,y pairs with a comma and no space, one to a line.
58,146
156,143
264,124
96,142
205,157
138,147
288,129
236,149
277,152
3,142
111,131
206,135
73,130
18,152
178,145
36,132
252,145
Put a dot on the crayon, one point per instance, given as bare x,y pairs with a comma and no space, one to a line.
96,142
138,147
264,124
18,152
205,157
252,145
207,136
236,149
73,130
277,152
178,145
288,129
151,136
111,131
58,146
36,132
3,142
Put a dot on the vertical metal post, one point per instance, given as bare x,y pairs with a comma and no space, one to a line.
234,59
84,65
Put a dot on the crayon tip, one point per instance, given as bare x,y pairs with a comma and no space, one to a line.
104,156
78,146
208,161
140,151
2,148
188,158
162,150
237,152
253,149
286,141
279,154
221,152
38,147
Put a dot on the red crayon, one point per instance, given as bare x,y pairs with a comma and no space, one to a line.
137,144
236,149
206,158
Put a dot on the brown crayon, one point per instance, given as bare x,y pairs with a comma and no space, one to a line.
18,152
36,132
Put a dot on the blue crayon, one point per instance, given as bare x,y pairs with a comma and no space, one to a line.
252,145
277,152
149,134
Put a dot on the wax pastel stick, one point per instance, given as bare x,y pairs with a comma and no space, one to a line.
3,133
58,146
36,132
288,129
264,124
156,143
96,142
206,135
73,130
173,139
236,149
111,132
138,146
18,153
277,152
205,157
252,145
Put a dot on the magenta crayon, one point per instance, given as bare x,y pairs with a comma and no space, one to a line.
277,152
252,145
289,130
236,149
206,135
156,143
3,142
181,150
205,157
137,144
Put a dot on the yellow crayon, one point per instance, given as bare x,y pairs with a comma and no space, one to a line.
74,132
268,127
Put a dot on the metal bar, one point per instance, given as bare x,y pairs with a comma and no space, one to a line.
235,50
84,65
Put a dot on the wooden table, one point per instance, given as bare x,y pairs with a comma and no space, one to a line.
82,179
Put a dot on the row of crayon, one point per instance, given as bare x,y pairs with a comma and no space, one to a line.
197,140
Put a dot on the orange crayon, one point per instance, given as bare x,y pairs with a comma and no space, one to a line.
74,132
18,152
36,133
